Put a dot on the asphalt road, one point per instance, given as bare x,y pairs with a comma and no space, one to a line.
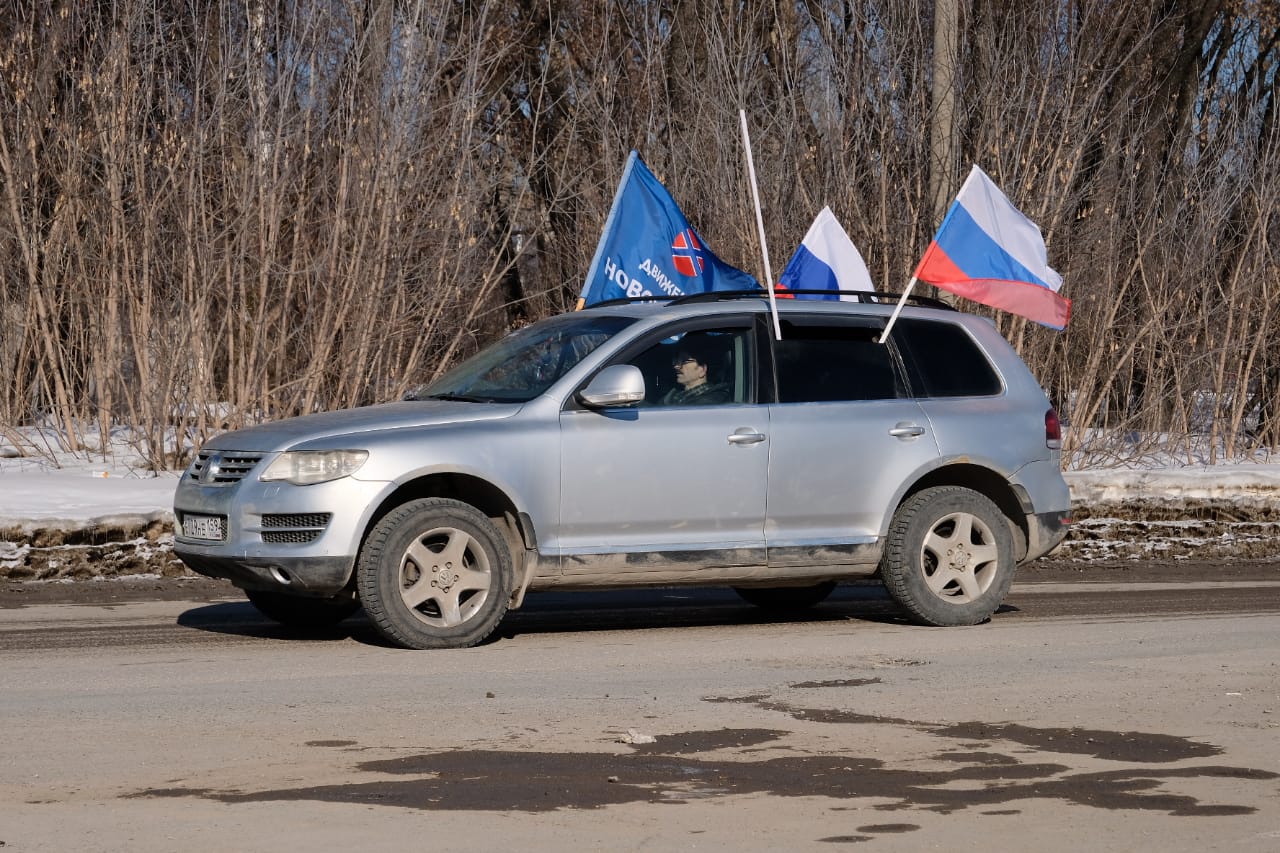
1122,707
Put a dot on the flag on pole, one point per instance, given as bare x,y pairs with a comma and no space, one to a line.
988,251
648,247
826,260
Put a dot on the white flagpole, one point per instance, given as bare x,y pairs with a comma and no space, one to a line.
897,309
764,249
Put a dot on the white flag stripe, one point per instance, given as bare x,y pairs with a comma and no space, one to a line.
829,243
992,211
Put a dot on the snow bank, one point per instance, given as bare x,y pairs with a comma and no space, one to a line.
72,498
1241,483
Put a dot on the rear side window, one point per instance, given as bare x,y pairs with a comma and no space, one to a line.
945,361
818,364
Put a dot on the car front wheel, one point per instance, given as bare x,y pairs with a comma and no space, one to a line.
435,574
948,559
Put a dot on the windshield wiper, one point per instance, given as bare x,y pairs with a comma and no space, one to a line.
457,398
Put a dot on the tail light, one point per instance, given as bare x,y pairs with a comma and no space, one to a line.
1052,429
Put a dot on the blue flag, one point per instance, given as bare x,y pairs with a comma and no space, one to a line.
648,247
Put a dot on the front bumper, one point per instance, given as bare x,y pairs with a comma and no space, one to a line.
312,576
298,539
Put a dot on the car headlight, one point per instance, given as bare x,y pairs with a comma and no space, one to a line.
308,467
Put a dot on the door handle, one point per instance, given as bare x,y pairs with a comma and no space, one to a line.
906,429
746,435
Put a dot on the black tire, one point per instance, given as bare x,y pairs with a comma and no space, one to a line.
948,559
435,574
783,598
298,611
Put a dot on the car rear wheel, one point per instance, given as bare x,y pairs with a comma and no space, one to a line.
948,559
435,574
299,611
781,598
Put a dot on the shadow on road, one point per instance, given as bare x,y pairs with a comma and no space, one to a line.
572,612
242,619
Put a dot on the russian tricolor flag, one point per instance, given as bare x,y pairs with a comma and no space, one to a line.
988,251
826,260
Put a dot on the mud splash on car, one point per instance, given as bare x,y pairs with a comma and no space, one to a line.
1105,528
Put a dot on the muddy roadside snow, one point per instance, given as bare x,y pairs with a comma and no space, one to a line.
1223,512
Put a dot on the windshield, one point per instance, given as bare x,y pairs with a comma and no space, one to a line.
525,363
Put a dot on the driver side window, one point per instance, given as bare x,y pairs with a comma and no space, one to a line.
700,367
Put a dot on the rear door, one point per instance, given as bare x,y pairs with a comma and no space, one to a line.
971,410
844,436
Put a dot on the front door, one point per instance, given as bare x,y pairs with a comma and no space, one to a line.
680,478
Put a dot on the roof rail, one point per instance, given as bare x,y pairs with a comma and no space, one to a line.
728,295
629,300
858,296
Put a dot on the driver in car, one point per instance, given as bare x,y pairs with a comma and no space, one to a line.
693,387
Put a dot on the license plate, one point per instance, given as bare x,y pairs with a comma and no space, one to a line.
203,527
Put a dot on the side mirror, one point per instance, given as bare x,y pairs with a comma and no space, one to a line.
616,385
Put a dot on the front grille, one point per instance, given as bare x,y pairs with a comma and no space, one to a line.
289,537
222,467
295,520
294,528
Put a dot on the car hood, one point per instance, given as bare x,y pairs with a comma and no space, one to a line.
282,435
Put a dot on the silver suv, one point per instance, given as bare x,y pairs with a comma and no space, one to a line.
643,445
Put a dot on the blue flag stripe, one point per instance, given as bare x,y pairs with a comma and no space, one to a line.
975,252
805,272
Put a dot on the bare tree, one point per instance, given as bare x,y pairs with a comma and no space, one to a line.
215,214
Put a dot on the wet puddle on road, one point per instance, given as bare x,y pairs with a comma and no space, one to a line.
975,772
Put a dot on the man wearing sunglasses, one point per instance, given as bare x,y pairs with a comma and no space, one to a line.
693,387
